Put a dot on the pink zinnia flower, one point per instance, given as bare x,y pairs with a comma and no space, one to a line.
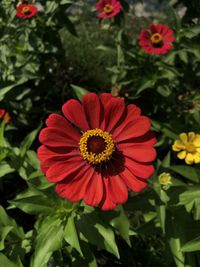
26,11
97,150
158,40
108,8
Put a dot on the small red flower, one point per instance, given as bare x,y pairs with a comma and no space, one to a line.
26,11
158,41
111,151
4,115
108,8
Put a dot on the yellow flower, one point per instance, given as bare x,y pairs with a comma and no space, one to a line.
188,147
165,179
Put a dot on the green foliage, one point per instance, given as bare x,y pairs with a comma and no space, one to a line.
64,52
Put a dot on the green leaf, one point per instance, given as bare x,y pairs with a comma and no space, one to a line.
27,142
166,161
79,91
4,231
191,200
175,233
33,205
97,232
5,262
71,235
5,220
6,89
64,2
109,238
119,222
5,168
187,172
47,242
193,245
161,213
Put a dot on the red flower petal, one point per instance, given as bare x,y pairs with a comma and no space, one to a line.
140,153
74,190
105,98
70,109
54,137
94,191
132,112
65,169
117,189
128,130
50,160
58,121
147,139
153,28
139,169
132,182
91,105
113,113
107,203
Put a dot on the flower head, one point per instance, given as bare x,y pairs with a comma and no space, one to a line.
108,8
97,150
26,11
158,40
188,147
165,179
4,115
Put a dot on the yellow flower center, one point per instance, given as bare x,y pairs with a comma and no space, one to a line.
189,147
25,9
108,8
156,38
96,146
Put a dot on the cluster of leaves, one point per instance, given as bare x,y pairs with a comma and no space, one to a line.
48,59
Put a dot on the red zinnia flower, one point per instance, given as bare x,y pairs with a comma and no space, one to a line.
26,11
112,150
4,115
158,40
108,8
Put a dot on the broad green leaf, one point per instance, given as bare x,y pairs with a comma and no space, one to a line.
64,2
27,142
175,233
33,159
109,237
191,200
5,168
193,245
33,205
120,223
79,91
5,90
71,235
166,161
4,231
47,242
5,262
192,31
97,232
176,251
187,172
5,220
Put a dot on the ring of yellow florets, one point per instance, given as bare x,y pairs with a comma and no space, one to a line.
25,9
96,158
108,8
156,38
